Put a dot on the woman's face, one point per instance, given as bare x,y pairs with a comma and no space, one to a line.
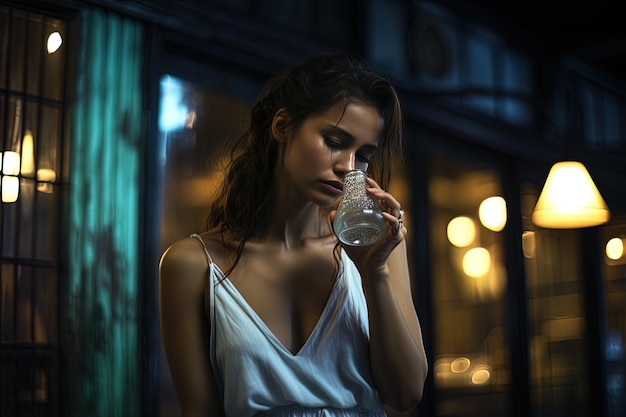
328,145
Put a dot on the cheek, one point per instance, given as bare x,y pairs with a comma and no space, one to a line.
308,156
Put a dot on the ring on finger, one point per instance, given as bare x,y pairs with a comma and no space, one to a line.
400,224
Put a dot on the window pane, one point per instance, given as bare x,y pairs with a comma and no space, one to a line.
17,49
34,54
36,307
47,142
4,45
471,367
193,121
26,230
7,304
614,239
47,203
44,305
556,317
9,228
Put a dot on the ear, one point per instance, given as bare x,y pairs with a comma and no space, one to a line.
281,125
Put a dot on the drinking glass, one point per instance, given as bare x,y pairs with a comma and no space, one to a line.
358,221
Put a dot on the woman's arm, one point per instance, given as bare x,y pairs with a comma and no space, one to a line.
398,359
185,329
397,356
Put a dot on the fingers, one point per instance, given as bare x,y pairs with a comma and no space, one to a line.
395,224
387,202
390,207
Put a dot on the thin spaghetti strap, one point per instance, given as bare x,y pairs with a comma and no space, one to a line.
209,309
206,251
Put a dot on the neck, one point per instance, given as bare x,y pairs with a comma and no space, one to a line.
290,224
290,217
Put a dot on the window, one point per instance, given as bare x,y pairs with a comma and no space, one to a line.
193,121
614,271
33,156
469,280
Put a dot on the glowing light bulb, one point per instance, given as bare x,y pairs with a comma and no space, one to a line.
492,213
10,189
476,262
461,231
614,248
11,163
460,365
54,42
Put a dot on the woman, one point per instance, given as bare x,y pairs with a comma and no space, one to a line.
266,313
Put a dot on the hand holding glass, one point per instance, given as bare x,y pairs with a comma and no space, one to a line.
358,221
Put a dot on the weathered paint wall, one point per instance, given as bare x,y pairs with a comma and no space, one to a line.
102,318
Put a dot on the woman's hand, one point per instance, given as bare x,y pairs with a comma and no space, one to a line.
374,257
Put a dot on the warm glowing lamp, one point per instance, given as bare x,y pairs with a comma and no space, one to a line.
45,178
461,231
476,262
615,248
54,42
492,213
460,365
10,188
28,155
11,163
569,199
481,375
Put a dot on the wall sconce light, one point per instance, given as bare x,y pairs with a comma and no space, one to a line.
54,42
569,199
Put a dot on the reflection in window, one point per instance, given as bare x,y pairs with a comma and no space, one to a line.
471,366
556,316
614,271
33,148
193,122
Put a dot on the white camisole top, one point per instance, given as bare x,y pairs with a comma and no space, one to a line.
258,376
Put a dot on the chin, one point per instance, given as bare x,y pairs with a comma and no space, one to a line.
329,204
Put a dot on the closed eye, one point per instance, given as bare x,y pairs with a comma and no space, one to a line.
333,143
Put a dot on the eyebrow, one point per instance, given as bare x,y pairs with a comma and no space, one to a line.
347,135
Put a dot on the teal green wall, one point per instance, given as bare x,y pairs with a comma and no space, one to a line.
103,313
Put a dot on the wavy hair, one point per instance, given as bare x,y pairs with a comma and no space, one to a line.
312,87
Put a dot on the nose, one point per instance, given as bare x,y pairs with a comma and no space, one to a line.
344,162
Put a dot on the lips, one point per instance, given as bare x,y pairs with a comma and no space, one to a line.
334,187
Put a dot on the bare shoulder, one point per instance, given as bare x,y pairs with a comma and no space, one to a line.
186,257
182,278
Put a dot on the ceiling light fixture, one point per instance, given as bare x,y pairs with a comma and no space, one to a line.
570,199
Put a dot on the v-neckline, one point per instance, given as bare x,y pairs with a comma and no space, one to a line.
331,304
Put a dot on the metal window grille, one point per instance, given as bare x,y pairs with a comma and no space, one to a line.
33,145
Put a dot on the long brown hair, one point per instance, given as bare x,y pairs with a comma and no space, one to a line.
313,86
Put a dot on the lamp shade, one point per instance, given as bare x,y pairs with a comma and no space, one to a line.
569,199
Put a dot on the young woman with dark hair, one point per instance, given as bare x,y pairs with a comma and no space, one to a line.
266,313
